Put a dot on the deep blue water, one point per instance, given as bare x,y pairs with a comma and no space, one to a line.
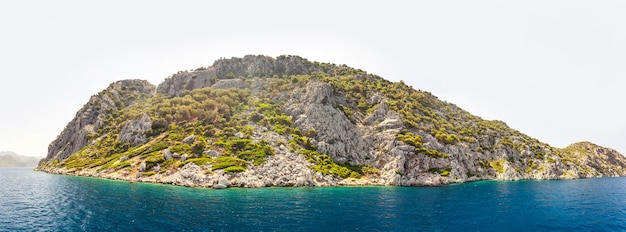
35,201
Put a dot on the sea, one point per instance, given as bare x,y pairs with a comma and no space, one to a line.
37,201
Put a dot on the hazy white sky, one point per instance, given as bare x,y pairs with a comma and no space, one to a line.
551,69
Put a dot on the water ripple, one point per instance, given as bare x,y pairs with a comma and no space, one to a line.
33,201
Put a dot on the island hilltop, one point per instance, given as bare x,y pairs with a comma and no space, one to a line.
259,121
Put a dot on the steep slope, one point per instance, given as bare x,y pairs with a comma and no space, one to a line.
91,117
260,121
11,159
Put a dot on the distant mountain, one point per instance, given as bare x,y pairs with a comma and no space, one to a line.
11,159
260,121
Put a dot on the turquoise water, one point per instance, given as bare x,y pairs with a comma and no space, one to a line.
35,201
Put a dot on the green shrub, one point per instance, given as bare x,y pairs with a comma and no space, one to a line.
432,153
247,149
410,138
234,169
325,165
197,161
355,175
227,161
370,171
154,160
498,165
181,148
198,146
237,145
159,146
341,171
149,173
303,141
280,129
174,135
169,163
441,172
122,164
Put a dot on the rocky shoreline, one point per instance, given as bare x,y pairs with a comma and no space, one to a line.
286,170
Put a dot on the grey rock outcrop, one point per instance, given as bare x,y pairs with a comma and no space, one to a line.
222,183
185,80
229,83
336,135
134,132
189,139
211,153
342,140
142,167
167,154
222,70
264,66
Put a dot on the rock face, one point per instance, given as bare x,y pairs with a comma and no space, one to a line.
248,66
343,140
595,160
259,121
91,117
134,132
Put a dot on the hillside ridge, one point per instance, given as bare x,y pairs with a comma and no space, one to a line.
12,159
261,121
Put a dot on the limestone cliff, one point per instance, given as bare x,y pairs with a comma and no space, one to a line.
260,121
91,117
248,66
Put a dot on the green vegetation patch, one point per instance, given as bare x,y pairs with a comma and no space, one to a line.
498,165
416,141
223,162
410,138
370,171
441,172
247,149
234,169
148,173
432,153
325,165
197,161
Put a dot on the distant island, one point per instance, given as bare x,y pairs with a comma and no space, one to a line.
11,159
260,121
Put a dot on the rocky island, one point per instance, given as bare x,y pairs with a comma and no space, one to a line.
260,121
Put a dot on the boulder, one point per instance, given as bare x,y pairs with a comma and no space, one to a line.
239,135
189,139
212,153
301,181
134,132
167,154
219,186
222,183
142,167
